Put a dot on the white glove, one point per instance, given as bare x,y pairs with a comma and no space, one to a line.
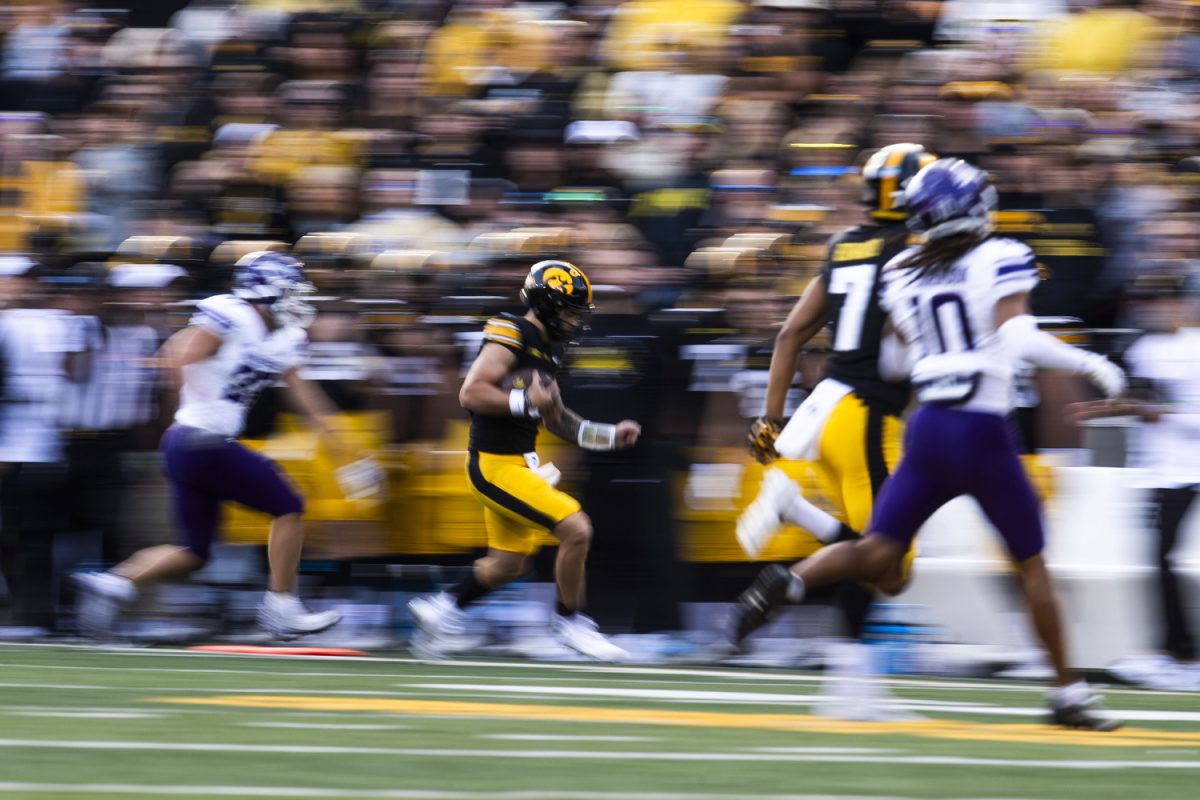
1104,375
362,480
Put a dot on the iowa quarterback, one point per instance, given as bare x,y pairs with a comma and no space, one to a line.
511,392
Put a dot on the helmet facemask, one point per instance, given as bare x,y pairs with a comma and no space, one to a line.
292,309
275,281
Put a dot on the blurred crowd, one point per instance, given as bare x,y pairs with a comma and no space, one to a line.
693,156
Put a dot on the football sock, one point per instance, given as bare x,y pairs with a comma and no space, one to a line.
562,610
820,524
468,590
1075,694
854,600
795,589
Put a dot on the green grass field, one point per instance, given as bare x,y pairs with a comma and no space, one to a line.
81,723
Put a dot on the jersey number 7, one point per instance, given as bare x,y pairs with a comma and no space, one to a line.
856,283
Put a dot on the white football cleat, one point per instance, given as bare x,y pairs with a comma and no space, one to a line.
438,616
285,617
763,517
579,632
851,691
441,627
102,598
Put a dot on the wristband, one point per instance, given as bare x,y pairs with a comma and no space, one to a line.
597,435
518,405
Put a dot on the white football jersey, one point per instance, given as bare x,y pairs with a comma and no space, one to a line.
949,319
218,391
1170,448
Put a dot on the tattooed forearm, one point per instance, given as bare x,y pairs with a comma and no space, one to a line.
563,422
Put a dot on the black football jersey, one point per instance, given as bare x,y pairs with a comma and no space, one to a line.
851,274
505,434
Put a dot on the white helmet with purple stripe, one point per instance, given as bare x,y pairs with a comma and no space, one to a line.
947,197
275,280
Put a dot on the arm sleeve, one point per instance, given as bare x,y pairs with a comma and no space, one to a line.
1023,340
297,349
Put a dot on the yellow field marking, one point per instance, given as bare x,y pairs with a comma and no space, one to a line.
934,729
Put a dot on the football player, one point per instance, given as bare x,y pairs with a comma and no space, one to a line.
848,428
510,392
960,301
236,345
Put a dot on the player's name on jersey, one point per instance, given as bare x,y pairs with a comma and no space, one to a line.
858,251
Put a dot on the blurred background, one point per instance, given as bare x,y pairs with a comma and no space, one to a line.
693,156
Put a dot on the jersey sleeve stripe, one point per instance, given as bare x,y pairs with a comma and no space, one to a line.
502,335
1024,266
1018,276
498,339
212,319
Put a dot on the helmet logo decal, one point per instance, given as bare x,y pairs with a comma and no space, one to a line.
559,280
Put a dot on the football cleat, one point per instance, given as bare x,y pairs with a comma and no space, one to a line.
102,598
438,616
851,691
755,606
1080,716
579,632
1071,707
285,617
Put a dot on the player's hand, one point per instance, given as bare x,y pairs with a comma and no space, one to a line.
627,434
1105,376
542,393
761,439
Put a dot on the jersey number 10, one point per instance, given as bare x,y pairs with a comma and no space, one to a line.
947,315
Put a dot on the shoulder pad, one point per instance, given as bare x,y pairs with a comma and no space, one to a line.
503,331
1012,259
221,313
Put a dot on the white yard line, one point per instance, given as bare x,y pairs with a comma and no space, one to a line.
89,714
327,726
749,674
837,751
376,675
592,755
690,696
406,794
551,737
676,696
53,686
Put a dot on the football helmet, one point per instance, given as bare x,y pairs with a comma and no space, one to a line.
553,287
275,280
885,175
950,196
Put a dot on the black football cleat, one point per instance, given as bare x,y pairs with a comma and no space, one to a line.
1080,717
755,606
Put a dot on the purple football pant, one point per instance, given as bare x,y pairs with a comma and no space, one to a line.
206,469
948,453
